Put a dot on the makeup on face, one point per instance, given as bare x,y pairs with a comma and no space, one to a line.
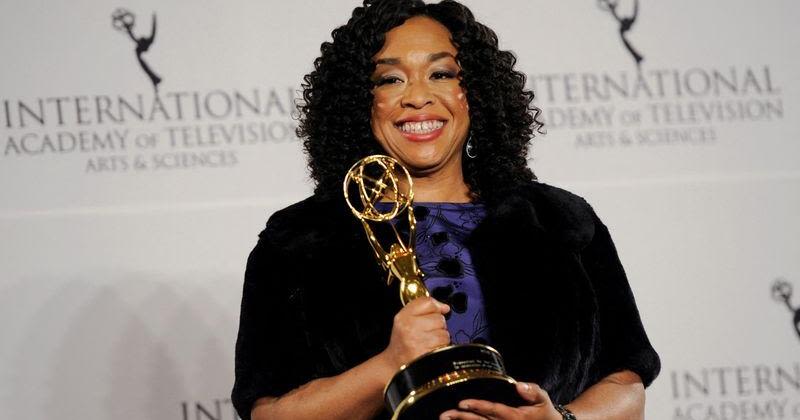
420,114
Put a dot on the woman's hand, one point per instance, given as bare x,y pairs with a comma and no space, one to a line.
540,407
418,328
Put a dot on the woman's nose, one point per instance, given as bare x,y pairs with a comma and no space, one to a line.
417,95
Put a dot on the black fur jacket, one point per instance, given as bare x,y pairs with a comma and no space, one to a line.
562,314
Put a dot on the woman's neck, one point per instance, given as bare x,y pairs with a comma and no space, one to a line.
441,187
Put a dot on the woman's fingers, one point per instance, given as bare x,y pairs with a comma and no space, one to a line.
422,323
460,415
488,409
537,407
423,314
426,305
532,393
417,329
432,322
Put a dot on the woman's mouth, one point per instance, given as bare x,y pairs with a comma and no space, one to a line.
421,130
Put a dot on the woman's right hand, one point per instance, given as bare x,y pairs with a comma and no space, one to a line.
418,328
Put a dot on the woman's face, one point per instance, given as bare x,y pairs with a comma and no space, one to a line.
419,112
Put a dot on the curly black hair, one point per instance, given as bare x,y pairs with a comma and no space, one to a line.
334,120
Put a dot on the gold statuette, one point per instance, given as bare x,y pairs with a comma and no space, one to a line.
438,380
377,179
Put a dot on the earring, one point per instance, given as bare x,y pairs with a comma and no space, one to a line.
469,148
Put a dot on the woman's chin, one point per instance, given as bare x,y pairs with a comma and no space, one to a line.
423,168
421,161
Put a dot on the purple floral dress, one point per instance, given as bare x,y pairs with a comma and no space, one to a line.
442,231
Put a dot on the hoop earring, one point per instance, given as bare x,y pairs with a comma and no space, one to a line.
469,148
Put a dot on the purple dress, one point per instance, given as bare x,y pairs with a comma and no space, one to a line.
442,231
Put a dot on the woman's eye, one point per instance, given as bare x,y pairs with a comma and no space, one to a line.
387,80
443,75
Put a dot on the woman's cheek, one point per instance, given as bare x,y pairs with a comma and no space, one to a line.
462,97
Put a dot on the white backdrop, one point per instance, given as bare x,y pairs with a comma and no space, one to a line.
125,225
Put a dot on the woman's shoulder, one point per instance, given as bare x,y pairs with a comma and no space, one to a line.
552,195
307,220
566,216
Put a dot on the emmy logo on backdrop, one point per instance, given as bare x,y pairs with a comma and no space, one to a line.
378,189
782,292
123,20
625,24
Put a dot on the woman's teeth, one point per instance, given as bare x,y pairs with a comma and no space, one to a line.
421,127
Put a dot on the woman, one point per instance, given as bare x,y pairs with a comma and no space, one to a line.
531,265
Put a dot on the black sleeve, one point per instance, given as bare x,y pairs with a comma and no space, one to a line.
273,354
623,342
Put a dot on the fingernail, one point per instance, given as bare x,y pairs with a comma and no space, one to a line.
527,386
463,405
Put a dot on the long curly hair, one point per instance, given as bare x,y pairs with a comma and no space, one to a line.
334,115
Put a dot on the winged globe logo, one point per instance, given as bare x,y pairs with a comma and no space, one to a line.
782,293
124,20
625,24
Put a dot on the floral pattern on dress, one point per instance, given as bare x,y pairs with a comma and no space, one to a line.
442,232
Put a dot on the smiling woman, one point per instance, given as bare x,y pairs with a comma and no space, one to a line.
420,113
525,267
344,92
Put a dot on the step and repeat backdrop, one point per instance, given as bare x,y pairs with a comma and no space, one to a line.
144,144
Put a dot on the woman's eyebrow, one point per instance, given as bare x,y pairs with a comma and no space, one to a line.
388,61
440,55
392,61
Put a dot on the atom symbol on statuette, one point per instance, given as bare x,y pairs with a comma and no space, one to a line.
378,177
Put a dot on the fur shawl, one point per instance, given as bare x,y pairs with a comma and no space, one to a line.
561,311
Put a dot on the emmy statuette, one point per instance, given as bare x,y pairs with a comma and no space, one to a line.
434,382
